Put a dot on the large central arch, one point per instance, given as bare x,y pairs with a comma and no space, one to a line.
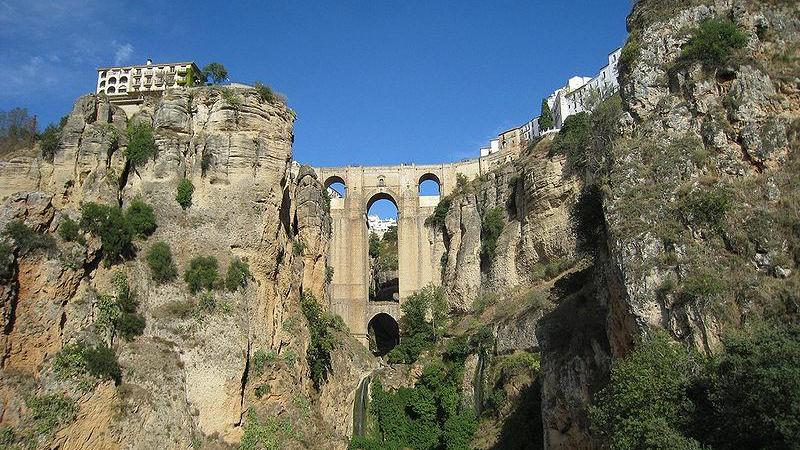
419,248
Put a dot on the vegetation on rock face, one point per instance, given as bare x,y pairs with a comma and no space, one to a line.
436,220
237,275
202,273
492,224
185,191
162,267
663,396
85,363
423,323
321,325
69,231
141,218
141,143
27,239
713,44
117,229
6,256
50,140
117,315
267,94
268,434
50,412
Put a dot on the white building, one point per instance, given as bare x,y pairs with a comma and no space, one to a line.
380,226
129,84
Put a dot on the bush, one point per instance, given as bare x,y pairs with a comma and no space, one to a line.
574,136
713,44
202,273
49,142
628,56
78,361
706,207
162,267
27,239
756,389
141,218
141,143
321,325
185,191
270,434
6,257
110,224
50,412
423,323
130,325
265,92
230,96
492,224
69,231
237,275
436,220
646,403
298,247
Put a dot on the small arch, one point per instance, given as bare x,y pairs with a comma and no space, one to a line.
111,90
429,184
382,196
384,334
336,187
112,80
381,182
103,84
103,74
123,79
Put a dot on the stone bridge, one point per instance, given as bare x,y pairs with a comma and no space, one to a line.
418,255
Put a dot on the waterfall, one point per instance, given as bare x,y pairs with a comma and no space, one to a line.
360,406
478,382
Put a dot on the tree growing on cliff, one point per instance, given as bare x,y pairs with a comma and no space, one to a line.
141,143
185,191
215,72
545,117
162,267
202,273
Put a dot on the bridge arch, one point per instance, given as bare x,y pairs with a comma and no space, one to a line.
382,195
430,179
336,184
384,333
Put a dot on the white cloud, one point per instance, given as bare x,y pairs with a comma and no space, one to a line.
122,52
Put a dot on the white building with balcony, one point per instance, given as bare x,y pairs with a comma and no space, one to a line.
128,85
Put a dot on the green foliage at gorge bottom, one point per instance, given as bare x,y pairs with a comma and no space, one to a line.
664,396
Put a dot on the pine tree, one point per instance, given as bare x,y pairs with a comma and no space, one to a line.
546,117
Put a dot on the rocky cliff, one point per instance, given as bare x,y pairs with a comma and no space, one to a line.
189,377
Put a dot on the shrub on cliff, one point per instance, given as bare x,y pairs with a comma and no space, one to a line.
50,412
140,218
162,267
423,323
202,273
6,257
85,363
49,141
27,239
215,72
185,191
141,143
713,44
436,220
237,275
492,224
321,325
646,403
69,231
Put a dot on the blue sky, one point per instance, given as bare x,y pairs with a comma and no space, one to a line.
373,82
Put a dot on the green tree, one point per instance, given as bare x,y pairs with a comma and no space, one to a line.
162,267
215,72
545,117
185,191
374,245
110,224
141,218
202,273
69,230
237,275
49,141
321,325
756,389
646,404
423,323
141,143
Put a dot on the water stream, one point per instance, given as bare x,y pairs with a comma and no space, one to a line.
360,406
477,383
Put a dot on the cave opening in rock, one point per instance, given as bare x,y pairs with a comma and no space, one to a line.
384,334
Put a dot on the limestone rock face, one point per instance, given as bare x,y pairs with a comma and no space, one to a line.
190,376
535,197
